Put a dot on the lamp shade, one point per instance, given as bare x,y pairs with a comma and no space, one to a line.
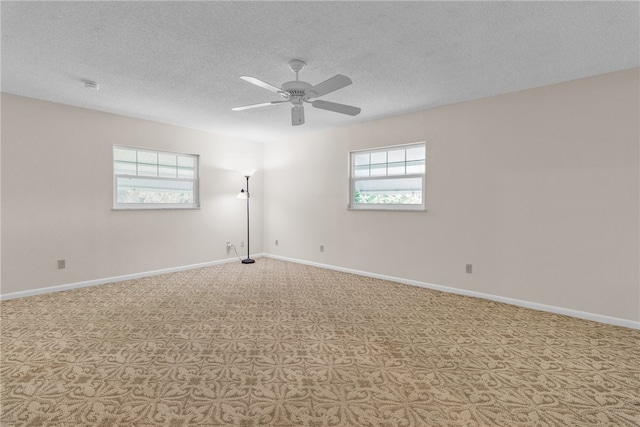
248,172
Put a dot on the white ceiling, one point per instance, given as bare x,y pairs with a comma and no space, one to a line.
180,62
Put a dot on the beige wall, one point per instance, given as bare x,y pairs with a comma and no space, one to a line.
539,190
57,197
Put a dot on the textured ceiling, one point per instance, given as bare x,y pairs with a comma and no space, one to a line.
180,62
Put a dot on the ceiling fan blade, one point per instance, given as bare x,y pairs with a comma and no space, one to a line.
263,85
297,115
334,83
338,108
262,104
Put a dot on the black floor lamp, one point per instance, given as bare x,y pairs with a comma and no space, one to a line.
244,194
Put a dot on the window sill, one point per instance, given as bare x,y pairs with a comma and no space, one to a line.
155,209
387,209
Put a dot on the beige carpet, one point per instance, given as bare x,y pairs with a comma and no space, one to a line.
283,344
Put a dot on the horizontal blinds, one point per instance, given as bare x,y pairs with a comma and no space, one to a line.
390,176
385,185
136,162
148,178
155,184
408,160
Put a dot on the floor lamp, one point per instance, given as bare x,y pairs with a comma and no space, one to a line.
244,194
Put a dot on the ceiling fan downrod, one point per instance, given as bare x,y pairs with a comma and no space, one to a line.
296,65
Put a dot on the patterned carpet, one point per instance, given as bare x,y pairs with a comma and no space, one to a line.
283,344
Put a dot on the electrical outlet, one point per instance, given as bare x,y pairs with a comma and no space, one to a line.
276,242
242,244
468,270
229,245
62,264
321,248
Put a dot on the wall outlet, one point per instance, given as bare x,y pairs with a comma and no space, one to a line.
321,248
468,270
62,264
229,245
276,242
242,244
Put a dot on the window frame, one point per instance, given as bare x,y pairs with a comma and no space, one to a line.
386,206
156,206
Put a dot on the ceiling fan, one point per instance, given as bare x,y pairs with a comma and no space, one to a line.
298,92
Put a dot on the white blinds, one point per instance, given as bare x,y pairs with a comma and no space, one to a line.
145,179
137,162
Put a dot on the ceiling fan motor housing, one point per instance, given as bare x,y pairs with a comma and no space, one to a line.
296,90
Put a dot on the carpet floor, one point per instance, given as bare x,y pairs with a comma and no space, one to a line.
284,344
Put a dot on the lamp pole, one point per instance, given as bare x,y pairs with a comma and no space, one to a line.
248,260
245,195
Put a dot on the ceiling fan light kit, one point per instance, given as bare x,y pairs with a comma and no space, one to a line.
298,92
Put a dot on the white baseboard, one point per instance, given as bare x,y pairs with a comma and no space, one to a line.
103,281
520,303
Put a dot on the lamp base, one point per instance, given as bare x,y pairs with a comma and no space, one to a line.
248,261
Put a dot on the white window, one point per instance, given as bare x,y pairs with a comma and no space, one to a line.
151,179
389,178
